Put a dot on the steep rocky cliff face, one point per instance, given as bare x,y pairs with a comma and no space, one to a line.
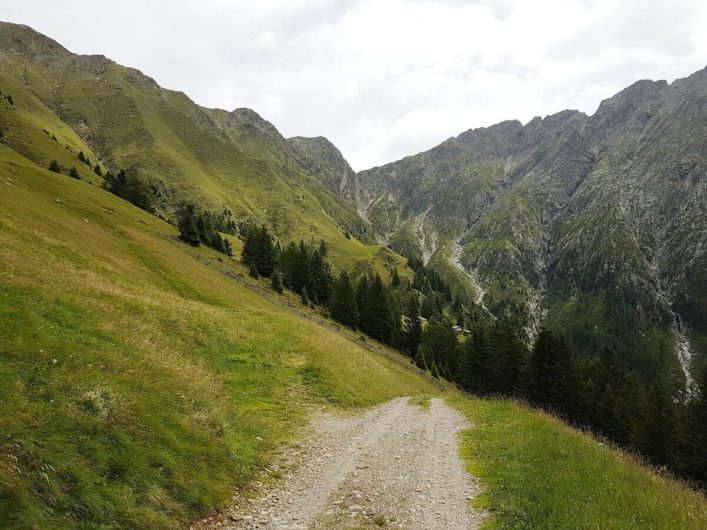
595,224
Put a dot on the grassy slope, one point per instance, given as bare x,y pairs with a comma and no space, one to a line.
539,473
138,384
204,154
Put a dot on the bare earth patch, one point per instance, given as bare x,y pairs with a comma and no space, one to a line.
396,466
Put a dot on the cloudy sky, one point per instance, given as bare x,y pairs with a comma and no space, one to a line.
385,78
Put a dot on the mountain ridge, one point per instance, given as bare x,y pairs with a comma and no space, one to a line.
569,220
517,189
221,159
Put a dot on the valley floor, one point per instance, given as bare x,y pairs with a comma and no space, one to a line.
395,466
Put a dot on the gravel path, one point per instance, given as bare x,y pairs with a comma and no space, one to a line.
396,466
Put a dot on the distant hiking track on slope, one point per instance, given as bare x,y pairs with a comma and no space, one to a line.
394,466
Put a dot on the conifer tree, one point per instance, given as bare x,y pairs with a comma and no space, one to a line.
97,170
129,185
613,409
277,282
320,275
344,308
206,231
10,100
509,362
228,247
364,316
413,330
259,248
186,223
397,339
73,173
379,313
82,157
440,345
54,167
395,281
656,427
550,365
475,362
691,454
428,309
304,296
253,270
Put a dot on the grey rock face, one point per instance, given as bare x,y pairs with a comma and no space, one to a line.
596,224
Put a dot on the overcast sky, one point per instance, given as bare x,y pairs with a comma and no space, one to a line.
384,79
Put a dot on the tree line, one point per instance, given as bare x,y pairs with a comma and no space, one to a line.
365,303
425,320
595,393
196,226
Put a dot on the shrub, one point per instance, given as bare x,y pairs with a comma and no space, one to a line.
54,166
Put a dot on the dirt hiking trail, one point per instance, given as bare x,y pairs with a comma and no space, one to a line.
394,466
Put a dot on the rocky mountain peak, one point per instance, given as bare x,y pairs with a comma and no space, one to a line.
252,121
23,40
324,161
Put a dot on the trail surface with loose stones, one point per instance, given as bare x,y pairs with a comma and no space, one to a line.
394,466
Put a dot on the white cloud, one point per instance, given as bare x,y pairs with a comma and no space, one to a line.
386,78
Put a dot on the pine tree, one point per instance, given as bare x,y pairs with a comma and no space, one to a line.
10,100
228,247
277,282
475,363
428,309
657,424
509,359
344,308
364,317
73,173
397,333
550,366
413,330
54,167
129,186
82,157
97,170
320,275
186,223
206,231
304,296
395,282
217,242
691,452
440,345
613,393
379,313
253,270
259,248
